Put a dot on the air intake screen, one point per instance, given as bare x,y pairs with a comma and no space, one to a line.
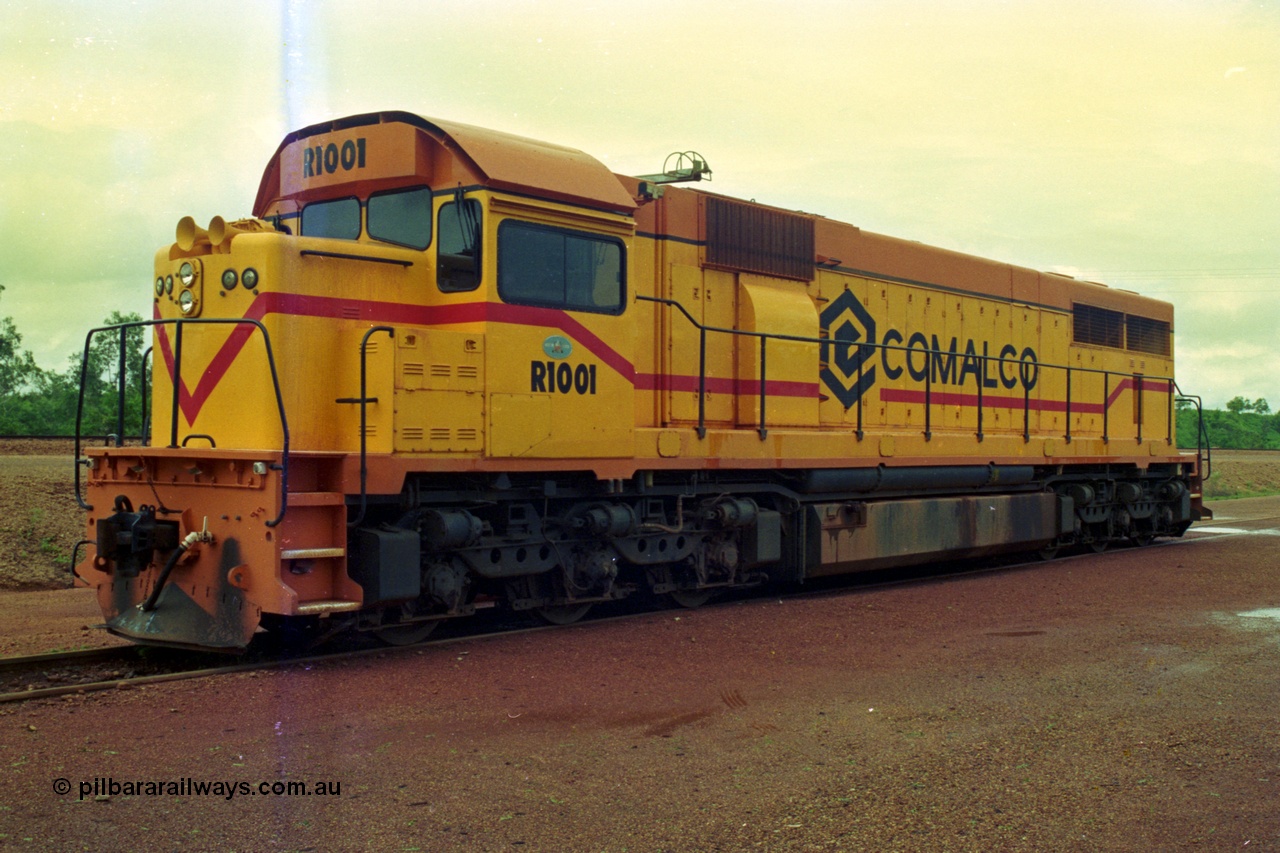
1146,335
749,238
1098,327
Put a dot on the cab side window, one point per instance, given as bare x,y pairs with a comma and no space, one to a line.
560,268
458,246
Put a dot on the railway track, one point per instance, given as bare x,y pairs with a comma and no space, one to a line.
79,672
55,674
83,671
60,674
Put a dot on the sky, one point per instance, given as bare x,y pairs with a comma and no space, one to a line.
1134,142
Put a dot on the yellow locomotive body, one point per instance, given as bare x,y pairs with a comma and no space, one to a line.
443,365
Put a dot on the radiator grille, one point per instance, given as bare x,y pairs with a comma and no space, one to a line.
1098,327
1101,327
750,238
1146,335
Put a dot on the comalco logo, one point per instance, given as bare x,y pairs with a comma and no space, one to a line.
847,321
850,353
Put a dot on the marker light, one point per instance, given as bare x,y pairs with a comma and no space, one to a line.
168,284
229,279
160,286
186,301
250,278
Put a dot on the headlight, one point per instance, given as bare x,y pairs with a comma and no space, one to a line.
250,278
186,301
229,279
187,274
160,286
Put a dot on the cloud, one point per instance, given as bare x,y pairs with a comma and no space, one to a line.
1105,137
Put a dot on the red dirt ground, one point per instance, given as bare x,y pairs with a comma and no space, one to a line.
1123,701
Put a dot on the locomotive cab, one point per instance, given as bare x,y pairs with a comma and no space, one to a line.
392,297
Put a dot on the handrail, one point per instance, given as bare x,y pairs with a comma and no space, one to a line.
763,432
1138,382
1204,451
1028,374
180,323
145,424
364,400
120,396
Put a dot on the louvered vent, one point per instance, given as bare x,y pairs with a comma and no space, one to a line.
1097,326
1143,334
749,238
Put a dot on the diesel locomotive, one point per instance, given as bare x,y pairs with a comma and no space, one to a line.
443,368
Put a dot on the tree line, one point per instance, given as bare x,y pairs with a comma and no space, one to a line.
43,402
1244,425
34,401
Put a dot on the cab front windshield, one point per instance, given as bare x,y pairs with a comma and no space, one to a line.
401,217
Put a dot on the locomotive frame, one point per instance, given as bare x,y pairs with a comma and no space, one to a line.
486,370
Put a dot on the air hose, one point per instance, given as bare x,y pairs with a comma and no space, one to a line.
192,538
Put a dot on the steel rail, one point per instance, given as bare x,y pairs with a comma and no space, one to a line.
8,664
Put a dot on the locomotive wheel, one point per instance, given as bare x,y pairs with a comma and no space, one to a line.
1142,538
408,631
1099,543
406,634
1047,553
690,598
563,614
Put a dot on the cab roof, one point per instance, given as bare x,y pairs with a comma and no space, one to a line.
483,157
